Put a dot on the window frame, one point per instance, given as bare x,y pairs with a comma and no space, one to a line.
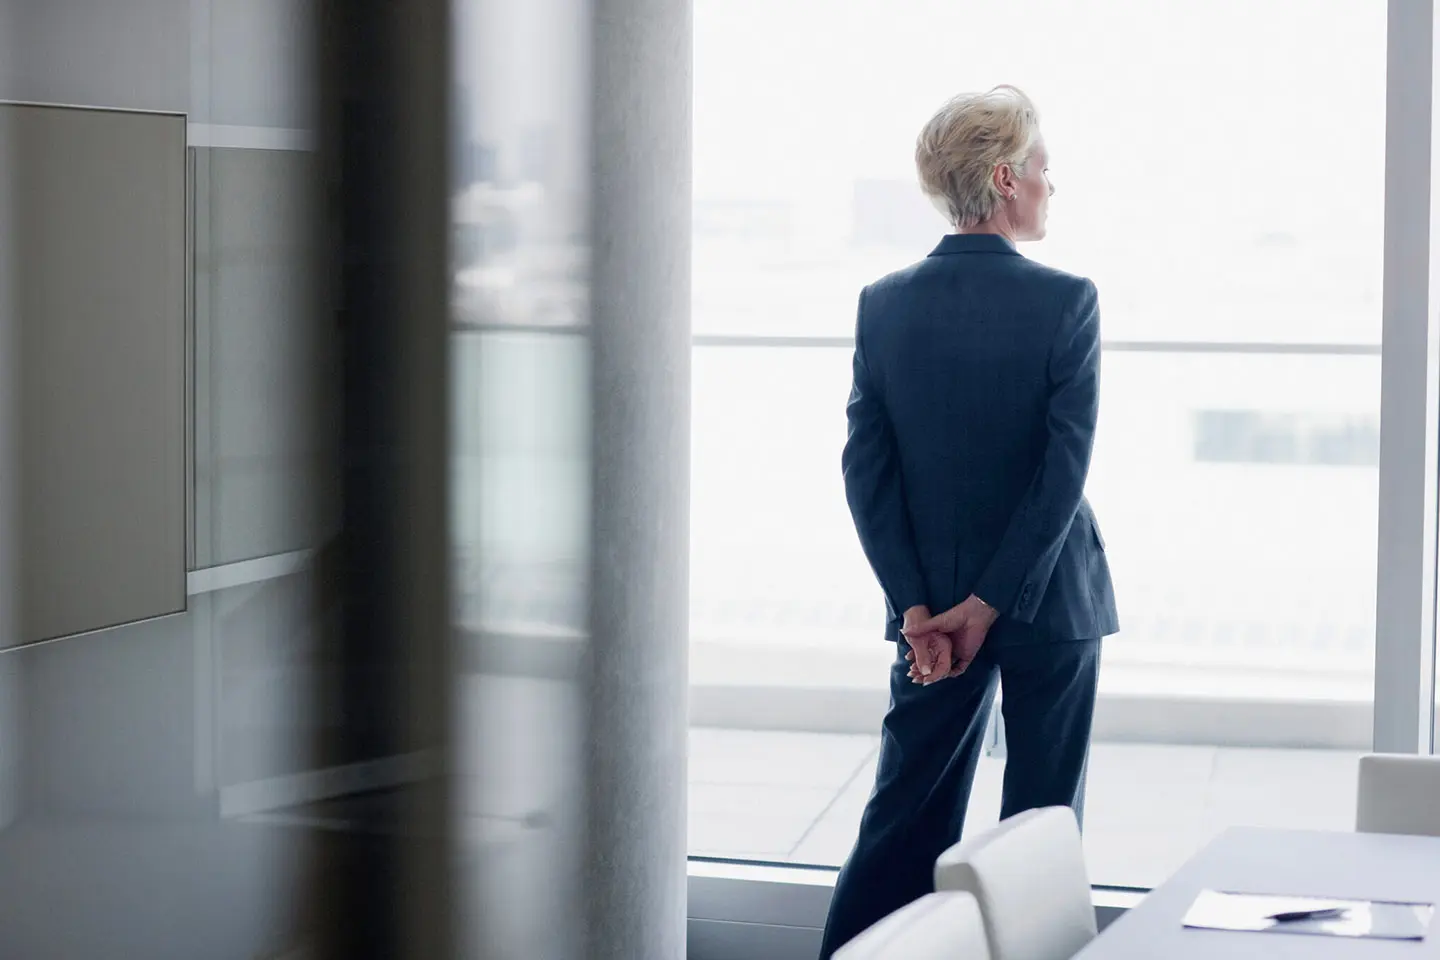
1406,562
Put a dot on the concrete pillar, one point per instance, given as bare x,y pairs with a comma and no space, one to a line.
634,868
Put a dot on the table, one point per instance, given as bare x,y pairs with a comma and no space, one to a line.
1303,863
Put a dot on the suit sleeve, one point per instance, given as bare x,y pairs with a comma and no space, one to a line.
1018,574
874,489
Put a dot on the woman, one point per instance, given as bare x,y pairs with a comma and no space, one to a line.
972,417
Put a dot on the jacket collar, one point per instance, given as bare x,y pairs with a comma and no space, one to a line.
974,243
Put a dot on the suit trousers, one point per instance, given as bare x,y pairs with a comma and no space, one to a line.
931,742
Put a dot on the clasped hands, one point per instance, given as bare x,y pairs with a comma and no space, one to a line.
945,645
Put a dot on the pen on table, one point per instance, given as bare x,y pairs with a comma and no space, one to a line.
1324,913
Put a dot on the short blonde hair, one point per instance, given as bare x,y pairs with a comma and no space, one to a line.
958,150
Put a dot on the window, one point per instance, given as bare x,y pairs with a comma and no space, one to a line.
1253,436
1220,174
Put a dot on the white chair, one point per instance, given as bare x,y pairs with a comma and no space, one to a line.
1399,794
938,926
1028,875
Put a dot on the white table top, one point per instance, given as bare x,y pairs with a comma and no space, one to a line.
1300,863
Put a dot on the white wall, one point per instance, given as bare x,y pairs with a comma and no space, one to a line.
111,53
125,720
233,62
250,63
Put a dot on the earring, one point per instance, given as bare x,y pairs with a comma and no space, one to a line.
1013,196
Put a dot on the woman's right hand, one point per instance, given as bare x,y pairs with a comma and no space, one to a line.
931,652
965,626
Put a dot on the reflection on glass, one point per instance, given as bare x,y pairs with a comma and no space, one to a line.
520,469
162,787
158,786
266,387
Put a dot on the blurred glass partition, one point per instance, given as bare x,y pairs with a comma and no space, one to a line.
520,470
266,359
384,150
153,776
260,775
373,731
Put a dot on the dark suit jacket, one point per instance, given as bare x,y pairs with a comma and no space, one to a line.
972,417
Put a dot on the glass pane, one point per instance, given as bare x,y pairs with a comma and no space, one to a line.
1248,625
1178,167
266,377
521,471
162,783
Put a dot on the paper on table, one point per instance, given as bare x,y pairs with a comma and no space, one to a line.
1254,913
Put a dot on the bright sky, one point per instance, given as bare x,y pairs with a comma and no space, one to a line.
1180,131
1271,98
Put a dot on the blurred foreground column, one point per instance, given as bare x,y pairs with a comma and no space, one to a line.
386,879
636,733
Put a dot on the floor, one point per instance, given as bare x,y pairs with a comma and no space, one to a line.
797,797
